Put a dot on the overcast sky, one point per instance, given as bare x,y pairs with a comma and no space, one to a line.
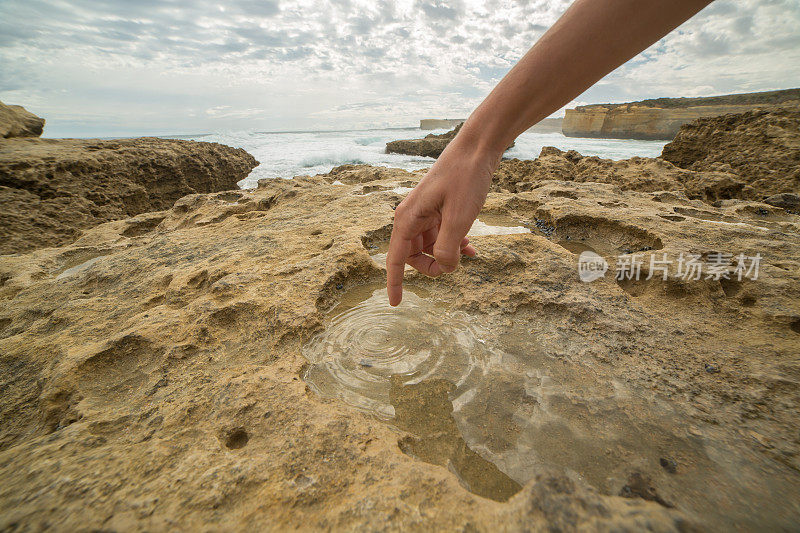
106,67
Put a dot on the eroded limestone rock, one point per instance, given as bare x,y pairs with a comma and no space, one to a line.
761,147
160,386
53,189
16,121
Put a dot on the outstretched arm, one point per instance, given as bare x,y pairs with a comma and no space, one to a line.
592,38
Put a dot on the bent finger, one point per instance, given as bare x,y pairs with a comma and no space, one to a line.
447,249
425,264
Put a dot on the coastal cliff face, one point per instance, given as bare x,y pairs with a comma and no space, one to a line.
661,119
15,121
439,123
51,190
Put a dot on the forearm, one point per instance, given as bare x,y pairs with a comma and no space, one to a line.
591,39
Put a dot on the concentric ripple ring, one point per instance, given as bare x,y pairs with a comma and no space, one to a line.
364,345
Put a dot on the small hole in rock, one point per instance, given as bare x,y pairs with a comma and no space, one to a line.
747,301
795,326
236,438
730,286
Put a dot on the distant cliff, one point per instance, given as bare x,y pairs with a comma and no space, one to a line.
661,118
439,123
547,125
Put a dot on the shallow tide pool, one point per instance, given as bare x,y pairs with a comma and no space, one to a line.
495,408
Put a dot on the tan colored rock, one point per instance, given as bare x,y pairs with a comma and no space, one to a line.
160,385
15,121
51,190
785,200
637,173
761,147
662,118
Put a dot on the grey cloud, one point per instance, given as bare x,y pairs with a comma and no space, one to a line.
401,32
262,8
718,9
10,33
440,10
361,25
17,77
743,25
706,44
374,52
294,54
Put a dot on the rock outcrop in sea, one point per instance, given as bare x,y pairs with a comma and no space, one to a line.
661,118
432,145
160,372
16,121
54,189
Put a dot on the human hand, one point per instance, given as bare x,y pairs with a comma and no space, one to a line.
431,223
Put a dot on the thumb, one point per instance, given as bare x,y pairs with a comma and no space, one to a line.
447,249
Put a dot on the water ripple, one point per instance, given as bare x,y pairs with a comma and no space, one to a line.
366,343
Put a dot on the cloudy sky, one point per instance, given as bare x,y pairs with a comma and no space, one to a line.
104,67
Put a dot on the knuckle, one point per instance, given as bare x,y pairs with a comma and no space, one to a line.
401,211
445,257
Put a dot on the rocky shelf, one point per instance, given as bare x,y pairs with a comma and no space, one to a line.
53,189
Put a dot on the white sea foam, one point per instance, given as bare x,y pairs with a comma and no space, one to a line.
284,155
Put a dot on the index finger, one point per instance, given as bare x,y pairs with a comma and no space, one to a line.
399,248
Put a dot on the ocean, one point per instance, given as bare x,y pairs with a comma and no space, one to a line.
288,154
